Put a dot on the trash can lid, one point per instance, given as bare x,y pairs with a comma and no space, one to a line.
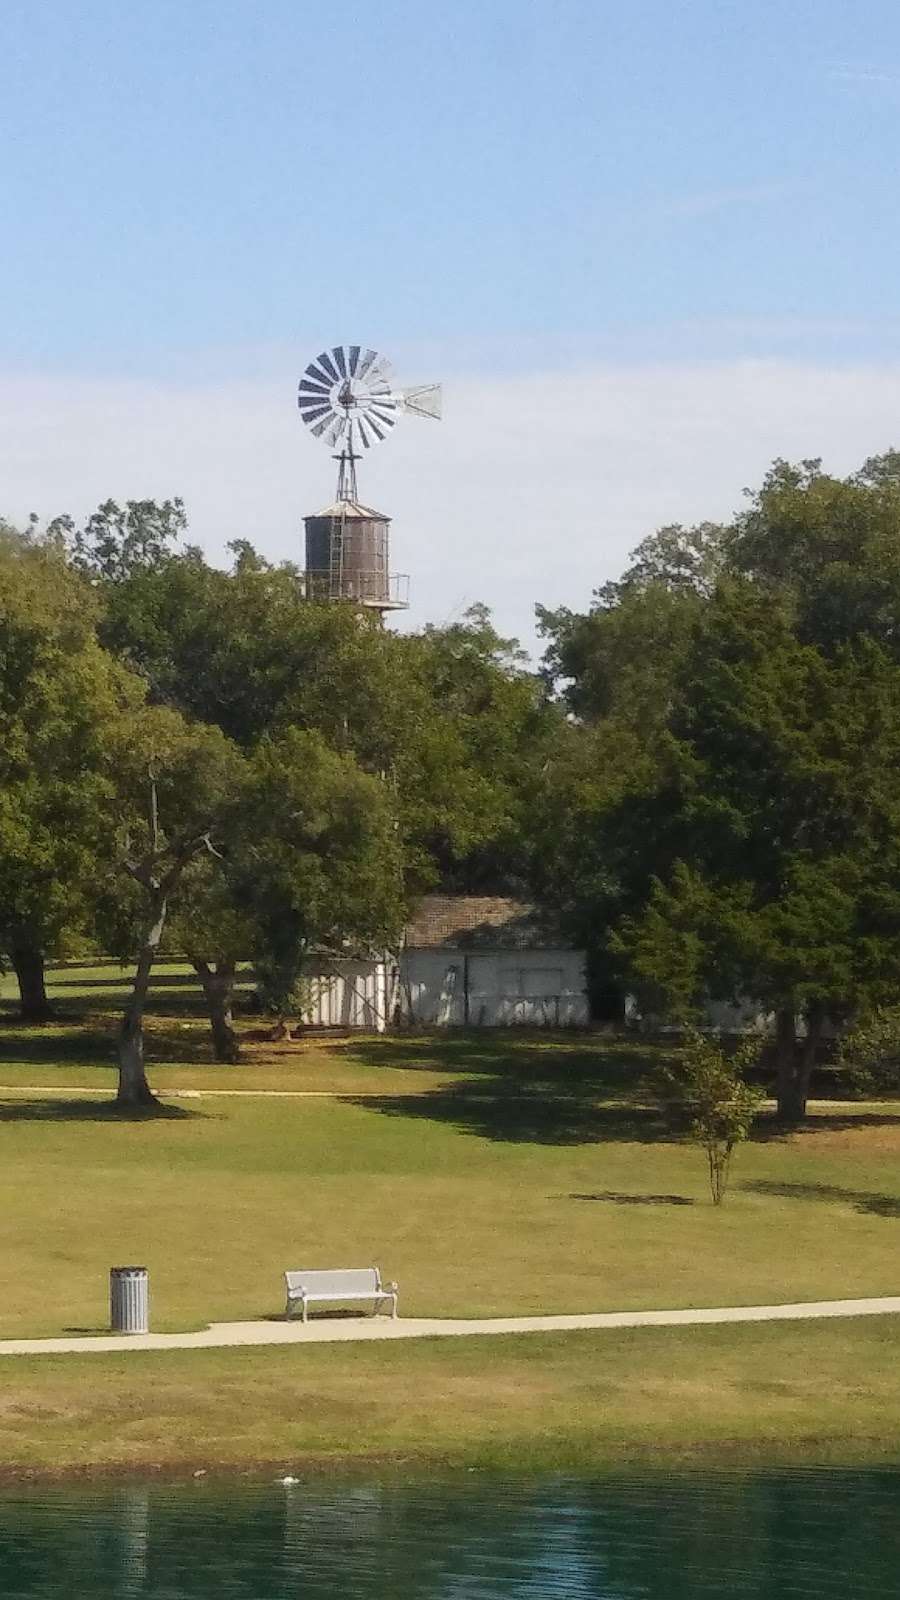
128,1269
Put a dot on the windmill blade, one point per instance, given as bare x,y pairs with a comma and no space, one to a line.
315,413
306,386
424,401
318,428
313,402
368,357
325,361
380,371
370,420
354,358
318,374
338,353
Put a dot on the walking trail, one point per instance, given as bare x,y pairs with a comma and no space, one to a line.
64,1091
334,1330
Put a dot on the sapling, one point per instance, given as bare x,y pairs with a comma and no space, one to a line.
710,1084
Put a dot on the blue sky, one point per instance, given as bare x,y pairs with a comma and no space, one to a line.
218,173
206,191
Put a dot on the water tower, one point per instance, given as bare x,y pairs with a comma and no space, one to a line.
346,399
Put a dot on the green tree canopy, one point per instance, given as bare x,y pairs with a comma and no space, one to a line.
450,717
308,861
784,815
743,681
63,704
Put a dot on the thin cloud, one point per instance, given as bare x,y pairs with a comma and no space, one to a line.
847,73
707,203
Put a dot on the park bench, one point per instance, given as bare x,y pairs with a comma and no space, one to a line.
354,1283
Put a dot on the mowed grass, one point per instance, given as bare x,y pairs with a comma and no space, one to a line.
499,1175
802,1395
490,1174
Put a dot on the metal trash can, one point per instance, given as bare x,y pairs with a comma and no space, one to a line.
129,1300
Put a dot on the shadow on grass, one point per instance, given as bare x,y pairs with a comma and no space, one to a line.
768,1127
95,1047
123,981
551,1060
862,1200
52,1047
526,1088
522,1118
89,1111
85,1001
614,1198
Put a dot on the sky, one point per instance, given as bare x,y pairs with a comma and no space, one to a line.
647,247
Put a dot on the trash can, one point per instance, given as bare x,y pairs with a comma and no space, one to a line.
129,1300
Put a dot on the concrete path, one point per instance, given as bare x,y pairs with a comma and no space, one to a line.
335,1330
473,1089
63,1092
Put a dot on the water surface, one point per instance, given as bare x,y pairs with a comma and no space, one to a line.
473,1536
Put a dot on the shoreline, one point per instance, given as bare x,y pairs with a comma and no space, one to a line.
713,1457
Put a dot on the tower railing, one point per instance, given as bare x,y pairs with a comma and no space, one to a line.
387,591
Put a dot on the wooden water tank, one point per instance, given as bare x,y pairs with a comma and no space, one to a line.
348,558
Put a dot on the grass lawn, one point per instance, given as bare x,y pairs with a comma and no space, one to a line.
805,1395
489,1175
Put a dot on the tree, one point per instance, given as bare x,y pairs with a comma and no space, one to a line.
117,541
216,935
777,842
309,862
317,865
748,676
468,770
869,1051
829,547
590,806
451,717
597,809
617,658
171,770
711,1086
63,702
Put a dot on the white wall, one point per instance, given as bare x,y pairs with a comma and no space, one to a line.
348,994
506,988
540,988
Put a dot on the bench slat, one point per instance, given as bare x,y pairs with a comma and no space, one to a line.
347,1281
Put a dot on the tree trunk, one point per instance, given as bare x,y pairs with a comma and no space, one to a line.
28,964
794,1063
218,987
134,1090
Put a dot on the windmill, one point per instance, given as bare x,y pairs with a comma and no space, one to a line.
347,399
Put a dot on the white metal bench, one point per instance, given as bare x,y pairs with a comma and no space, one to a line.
354,1283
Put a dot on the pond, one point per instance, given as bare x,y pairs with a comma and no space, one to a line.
477,1536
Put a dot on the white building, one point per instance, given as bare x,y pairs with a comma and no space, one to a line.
467,961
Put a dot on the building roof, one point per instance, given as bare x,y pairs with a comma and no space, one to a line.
453,921
352,511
